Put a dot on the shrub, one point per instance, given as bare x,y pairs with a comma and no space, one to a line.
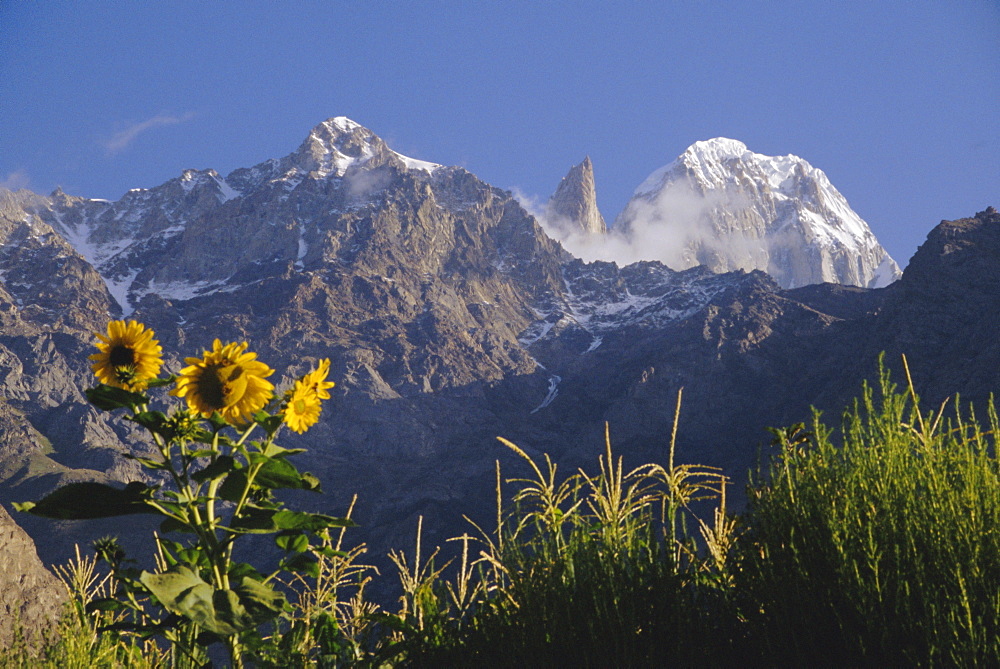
882,546
589,570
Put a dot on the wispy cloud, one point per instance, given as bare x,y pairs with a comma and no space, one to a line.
15,180
671,227
121,141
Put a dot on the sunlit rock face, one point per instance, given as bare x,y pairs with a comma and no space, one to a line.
722,206
573,207
30,595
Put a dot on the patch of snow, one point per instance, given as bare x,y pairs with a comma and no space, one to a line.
653,182
598,302
226,192
414,164
553,393
119,290
303,248
180,290
291,178
886,272
188,180
343,124
534,332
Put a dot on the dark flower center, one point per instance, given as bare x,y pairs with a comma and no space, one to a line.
121,356
211,388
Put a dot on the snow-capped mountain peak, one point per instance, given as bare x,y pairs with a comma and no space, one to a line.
339,144
726,207
716,149
334,149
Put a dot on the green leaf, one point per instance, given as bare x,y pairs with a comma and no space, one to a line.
262,521
229,614
293,543
206,437
326,551
180,590
272,450
268,422
240,570
301,520
259,599
151,420
302,563
280,473
159,383
202,453
194,557
232,488
311,483
218,610
326,631
109,398
222,466
218,422
105,604
255,521
78,501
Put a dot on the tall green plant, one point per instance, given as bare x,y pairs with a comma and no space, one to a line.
880,545
584,570
217,486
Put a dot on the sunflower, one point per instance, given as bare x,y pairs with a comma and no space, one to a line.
225,379
303,401
128,357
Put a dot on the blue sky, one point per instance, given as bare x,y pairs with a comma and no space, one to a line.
896,101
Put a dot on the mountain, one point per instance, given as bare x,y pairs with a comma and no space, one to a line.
573,207
30,596
450,318
722,206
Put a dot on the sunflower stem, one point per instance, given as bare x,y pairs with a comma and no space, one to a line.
246,434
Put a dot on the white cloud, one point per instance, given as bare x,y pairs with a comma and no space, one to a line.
15,180
362,182
121,140
669,227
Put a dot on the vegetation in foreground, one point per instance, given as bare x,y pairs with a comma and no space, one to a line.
875,543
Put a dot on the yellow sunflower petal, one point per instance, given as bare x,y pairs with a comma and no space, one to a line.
225,380
127,357
303,403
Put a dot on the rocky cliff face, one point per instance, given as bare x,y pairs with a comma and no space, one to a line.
51,300
725,207
944,314
573,207
30,596
449,318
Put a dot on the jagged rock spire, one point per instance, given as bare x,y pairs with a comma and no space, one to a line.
573,206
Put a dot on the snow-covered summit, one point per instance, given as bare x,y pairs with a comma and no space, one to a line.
339,144
337,148
721,205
